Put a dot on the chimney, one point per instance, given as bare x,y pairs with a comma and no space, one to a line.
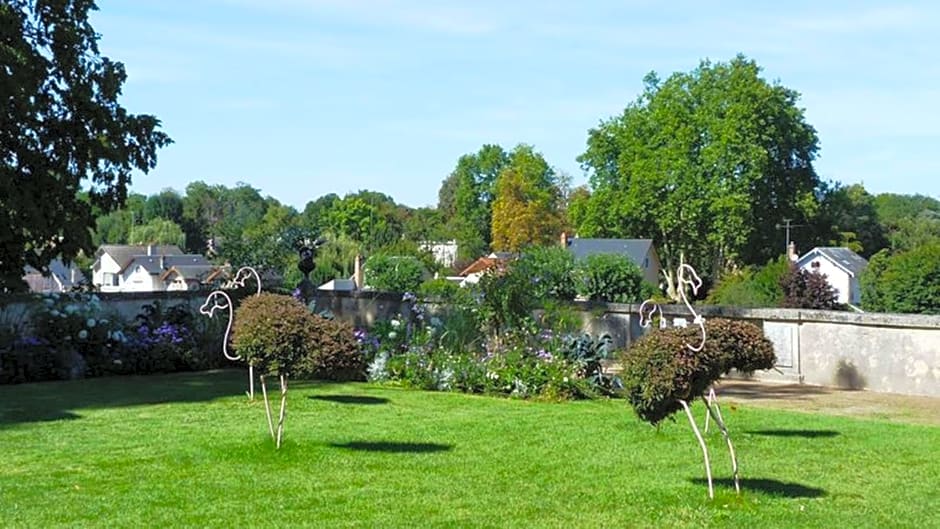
357,272
149,249
564,239
163,262
791,252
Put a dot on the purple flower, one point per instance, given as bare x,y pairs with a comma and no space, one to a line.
544,355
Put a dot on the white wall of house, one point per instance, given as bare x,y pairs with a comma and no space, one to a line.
838,278
107,275
140,280
651,267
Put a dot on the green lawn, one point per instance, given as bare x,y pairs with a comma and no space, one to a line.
190,450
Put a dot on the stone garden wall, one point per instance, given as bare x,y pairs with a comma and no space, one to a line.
878,352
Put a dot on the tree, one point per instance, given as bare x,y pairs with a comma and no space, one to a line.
704,163
394,273
847,217
527,203
907,282
613,279
910,221
157,231
167,204
474,179
62,128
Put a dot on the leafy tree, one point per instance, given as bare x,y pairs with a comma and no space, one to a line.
847,217
424,225
705,163
394,273
907,282
202,214
475,177
167,204
527,203
336,258
314,214
157,231
63,128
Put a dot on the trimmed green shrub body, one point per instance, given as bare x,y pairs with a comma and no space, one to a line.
552,270
274,333
659,369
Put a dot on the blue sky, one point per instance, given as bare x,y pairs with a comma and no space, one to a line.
300,98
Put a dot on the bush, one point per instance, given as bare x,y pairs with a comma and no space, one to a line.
439,288
612,278
552,270
659,369
389,273
84,339
337,353
750,288
808,290
274,333
907,282
505,300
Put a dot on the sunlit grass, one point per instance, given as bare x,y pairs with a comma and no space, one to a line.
190,450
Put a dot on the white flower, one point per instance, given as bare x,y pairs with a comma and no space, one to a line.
54,313
82,334
90,323
565,380
395,323
117,361
392,335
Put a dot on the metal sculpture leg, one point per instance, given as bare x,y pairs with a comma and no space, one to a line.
711,397
267,406
280,420
709,403
701,442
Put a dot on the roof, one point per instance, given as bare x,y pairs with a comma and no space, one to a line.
635,249
484,263
123,254
156,264
57,269
842,257
197,272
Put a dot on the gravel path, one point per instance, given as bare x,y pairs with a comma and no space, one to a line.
817,399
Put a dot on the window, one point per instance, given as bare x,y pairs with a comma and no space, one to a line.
646,262
109,279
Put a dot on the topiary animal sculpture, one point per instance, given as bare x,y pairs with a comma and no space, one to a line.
274,333
662,374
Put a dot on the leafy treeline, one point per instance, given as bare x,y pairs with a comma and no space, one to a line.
706,163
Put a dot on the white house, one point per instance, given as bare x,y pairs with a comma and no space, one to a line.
122,268
445,253
640,251
842,268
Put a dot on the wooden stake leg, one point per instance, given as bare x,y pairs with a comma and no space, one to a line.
713,402
701,442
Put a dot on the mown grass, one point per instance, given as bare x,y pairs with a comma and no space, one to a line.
190,450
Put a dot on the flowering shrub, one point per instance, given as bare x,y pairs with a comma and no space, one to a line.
85,339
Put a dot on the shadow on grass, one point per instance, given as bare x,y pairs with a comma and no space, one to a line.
351,399
393,447
808,434
745,389
53,401
772,487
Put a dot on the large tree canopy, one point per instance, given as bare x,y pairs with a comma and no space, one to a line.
61,127
706,164
527,202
